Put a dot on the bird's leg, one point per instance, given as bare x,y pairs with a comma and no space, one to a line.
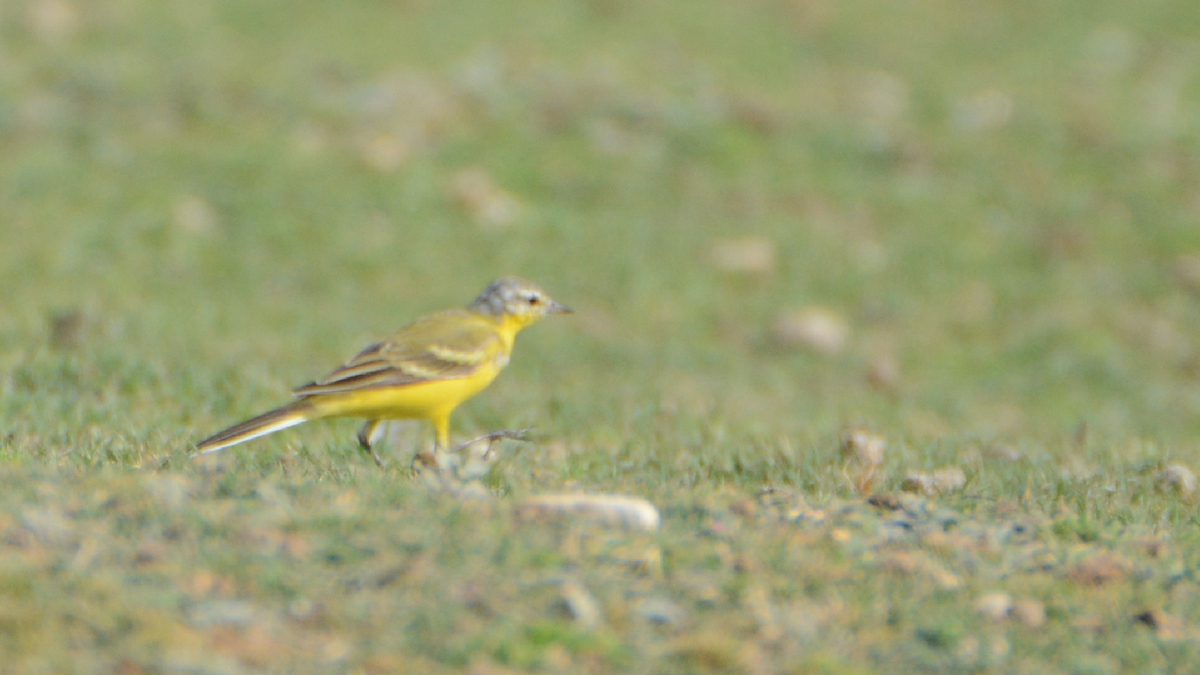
441,435
368,435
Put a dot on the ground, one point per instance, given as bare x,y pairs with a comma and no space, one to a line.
890,309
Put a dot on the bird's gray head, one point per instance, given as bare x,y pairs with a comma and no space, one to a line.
516,299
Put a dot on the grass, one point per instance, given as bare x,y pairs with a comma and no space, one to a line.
206,203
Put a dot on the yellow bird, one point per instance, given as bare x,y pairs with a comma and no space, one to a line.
423,371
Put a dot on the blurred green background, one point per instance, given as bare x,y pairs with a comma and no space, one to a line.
776,218
968,229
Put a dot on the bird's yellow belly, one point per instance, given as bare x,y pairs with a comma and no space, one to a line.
425,400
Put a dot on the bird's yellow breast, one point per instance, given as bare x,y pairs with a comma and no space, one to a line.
423,400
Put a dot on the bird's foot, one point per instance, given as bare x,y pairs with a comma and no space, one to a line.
437,470
378,460
368,437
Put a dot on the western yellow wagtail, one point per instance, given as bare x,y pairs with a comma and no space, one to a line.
423,371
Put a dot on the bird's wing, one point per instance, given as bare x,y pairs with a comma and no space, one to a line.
442,346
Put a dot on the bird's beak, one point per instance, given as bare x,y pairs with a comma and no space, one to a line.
558,308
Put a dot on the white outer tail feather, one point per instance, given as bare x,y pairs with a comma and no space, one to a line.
261,431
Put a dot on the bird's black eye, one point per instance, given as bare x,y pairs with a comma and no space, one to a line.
533,299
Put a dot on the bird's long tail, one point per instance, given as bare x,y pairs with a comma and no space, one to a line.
269,422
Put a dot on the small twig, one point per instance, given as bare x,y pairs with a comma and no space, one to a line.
493,436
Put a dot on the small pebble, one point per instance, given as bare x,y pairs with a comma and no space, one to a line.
942,480
52,20
883,372
817,329
1187,271
885,500
217,612
1002,452
604,509
950,478
1098,570
490,205
581,604
49,524
1029,613
66,328
194,215
752,255
994,606
863,447
1165,625
660,611
1179,478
